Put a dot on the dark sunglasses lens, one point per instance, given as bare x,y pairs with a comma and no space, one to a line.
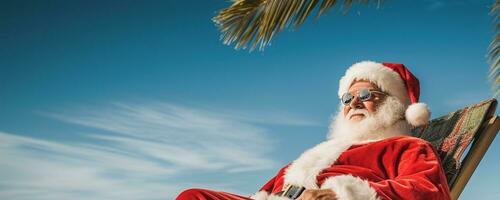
347,98
364,94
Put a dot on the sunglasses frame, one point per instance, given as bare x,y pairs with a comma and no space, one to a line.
369,95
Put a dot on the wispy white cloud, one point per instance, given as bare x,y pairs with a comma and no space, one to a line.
33,168
137,151
275,117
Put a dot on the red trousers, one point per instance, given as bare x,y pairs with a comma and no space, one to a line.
204,194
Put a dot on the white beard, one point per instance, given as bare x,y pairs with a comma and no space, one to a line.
387,122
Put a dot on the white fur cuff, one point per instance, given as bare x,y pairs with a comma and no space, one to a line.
263,195
348,187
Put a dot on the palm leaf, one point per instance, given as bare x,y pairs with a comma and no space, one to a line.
494,50
253,23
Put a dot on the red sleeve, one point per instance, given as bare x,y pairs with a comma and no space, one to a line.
268,187
274,182
417,174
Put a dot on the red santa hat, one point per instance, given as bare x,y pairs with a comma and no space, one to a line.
394,79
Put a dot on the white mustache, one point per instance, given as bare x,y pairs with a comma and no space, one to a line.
357,111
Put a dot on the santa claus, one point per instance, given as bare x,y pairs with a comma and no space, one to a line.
369,153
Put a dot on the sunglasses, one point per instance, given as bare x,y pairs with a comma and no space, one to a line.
363,94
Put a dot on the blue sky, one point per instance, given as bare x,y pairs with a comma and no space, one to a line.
139,99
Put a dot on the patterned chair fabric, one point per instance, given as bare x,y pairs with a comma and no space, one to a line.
454,133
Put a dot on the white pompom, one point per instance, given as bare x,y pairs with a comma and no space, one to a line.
418,114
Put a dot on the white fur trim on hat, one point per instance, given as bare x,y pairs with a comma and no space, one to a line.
418,114
385,78
348,187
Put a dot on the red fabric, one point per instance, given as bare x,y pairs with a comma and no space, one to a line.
411,82
397,168
204,194
276,183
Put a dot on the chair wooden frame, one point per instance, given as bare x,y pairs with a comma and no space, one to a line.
476,153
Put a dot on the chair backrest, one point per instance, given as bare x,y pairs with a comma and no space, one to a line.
454,133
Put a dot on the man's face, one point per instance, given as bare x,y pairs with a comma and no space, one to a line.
367,107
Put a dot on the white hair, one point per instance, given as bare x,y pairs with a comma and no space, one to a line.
387,121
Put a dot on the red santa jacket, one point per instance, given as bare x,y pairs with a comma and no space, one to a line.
394,168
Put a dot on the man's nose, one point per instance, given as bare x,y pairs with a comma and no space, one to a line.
356,103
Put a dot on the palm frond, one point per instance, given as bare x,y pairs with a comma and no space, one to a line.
494,50
253,23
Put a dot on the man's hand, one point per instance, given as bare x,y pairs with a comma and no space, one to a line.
324,194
